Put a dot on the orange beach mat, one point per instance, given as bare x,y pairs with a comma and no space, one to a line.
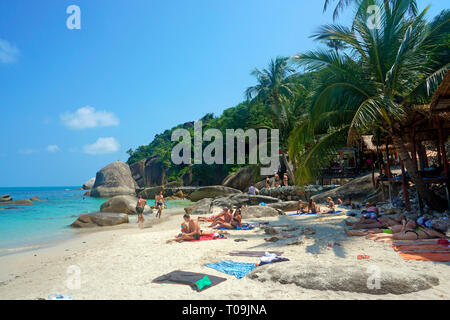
416,247
426,256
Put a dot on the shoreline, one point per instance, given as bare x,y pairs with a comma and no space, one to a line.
120,263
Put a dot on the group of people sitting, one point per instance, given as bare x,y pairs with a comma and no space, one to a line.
226,219
313,207
277,182
375,226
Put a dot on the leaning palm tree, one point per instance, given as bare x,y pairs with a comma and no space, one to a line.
387,72
342,4
276,87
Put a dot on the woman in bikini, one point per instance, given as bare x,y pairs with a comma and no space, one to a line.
419,232
312,207
224,217
330,207
234,223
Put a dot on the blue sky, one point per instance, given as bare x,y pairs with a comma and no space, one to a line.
72,101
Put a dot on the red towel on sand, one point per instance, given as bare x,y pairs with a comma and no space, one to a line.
206,237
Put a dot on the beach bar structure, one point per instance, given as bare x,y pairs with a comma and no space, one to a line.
426,124
343,166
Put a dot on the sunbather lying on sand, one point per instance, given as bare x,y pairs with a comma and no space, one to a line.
330,206
397,228
381,222
233,224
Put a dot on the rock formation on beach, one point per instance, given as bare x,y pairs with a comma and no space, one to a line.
243,178
113,180
351,278
122,204
26,202
100,219
212,192
89,184
5,198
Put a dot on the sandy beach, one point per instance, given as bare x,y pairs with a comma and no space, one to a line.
120,263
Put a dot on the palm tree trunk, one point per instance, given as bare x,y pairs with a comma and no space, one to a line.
289,171
433,201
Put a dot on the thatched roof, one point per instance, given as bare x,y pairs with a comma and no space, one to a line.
441,98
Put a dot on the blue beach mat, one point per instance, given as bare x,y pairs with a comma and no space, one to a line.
239,228
237,269
311,214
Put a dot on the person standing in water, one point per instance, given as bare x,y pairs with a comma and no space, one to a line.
159,200
140,211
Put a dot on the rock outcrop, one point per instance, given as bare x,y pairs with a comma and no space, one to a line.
25,202
113,180
212,192
285,205
89,184
243,178
99,219
260,212
351,278
122,204
5,198
149,172
35,199
358,189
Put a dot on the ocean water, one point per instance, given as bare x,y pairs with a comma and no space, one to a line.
47,220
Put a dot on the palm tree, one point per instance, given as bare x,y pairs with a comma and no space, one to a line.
277,88
342,4
388,71
336,45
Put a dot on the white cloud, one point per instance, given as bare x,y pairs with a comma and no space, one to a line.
88,117
8,52
27,151
102,146
53,148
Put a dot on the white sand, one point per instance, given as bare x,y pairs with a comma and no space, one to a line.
120,263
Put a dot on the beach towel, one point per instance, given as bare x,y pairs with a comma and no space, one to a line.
253,253
311,214
237,269
196,281
239,228
418,241
207,237
426,256
270,258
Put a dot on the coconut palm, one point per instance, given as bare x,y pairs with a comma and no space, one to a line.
277,88
386,72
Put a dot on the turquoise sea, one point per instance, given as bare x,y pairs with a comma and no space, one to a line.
47,220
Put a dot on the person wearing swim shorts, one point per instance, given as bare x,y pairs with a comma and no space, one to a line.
193,231
140,207
159,200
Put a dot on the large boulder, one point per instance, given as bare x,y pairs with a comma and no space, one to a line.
357,188
89,184
201,207
138,172
35,198
26,202
99,219
350,278
113,180
150,193
285,205
260,212
122,204
5,198
243,178
212,192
